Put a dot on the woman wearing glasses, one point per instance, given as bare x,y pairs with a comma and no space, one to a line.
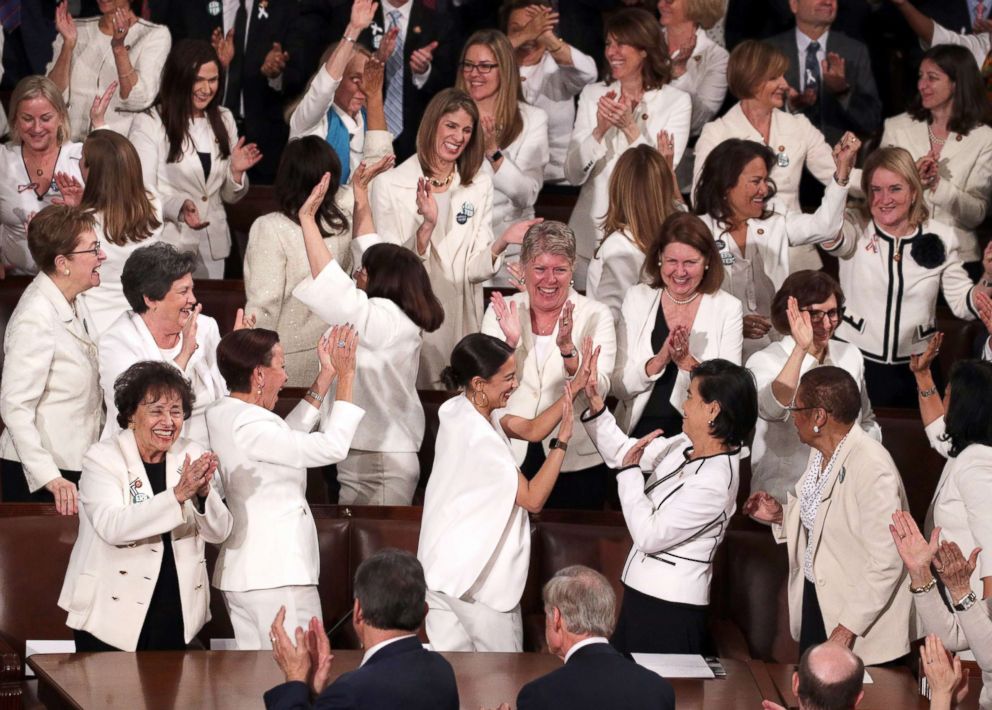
806,312
515,134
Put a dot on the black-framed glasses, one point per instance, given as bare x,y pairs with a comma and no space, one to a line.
482,67
815,316
94,250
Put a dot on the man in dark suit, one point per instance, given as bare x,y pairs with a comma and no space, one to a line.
829,677
422,64
831,72
260,46
579,607
396,672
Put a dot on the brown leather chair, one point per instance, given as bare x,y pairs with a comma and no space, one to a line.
920,466
221,300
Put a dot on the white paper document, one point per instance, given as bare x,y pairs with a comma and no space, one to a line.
33,646
674,665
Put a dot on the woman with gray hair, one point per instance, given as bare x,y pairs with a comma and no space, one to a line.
543,324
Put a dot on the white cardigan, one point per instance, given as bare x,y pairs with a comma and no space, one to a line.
614,270
388,359
778,458
263,471
117,556
542,382
677,516
590,163
50,398
521,174
717,332
128,341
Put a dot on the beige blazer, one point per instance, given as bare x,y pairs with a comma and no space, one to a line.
118,553
860,580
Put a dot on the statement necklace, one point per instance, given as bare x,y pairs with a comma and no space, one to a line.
679,302
442,183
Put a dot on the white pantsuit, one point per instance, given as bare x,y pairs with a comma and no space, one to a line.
614,270
174,183
117,556
263,472
458,259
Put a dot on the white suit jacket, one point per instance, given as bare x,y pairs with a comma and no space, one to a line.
860,579
979,44
50,389
717,332
457,263
590,164
677,516
129,341
184,180
614,270
263,471
778,458
118,553
542,383
521,175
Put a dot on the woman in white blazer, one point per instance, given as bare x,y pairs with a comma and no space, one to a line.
475,532
846,581
678,494
543,325
164,323
805,311
271,558
50,389
669,325
755,242
515,134
945,132
127,216
631,108
191,156
893,263
643,193
92,53
390,305
439,204
137,576
552,73
756,76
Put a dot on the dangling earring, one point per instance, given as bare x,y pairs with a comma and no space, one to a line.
259,391
816,429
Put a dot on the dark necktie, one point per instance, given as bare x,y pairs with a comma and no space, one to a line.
10,14
812,67
235,72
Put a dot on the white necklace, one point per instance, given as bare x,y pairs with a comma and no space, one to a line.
678,302
933,138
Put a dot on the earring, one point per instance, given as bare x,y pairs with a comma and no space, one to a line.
816,429
711,423
66,272
130,425
260,390
572,282
485,397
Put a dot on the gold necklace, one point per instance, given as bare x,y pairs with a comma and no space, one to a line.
442,183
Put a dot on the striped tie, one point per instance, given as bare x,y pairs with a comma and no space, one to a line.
10,14
394,77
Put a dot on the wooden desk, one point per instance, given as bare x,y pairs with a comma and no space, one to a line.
892,688
237,679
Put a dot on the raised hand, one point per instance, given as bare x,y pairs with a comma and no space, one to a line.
324,348
194,475
517,275
921,362
927,167
955,571
373,76
275,61
800,325
914,549
293,659
845,153
666,146
420,59
588,371
764,508
189,329
65,25
636,452
243,322
567,415
507,317
244,156
70,188
514,234
98,109
66,495
362,13
122,18
387,45
363,175
832,71
983,303
565,323
489,134
344,345
319,648
426,204
223,45
943,671
308,210
190,215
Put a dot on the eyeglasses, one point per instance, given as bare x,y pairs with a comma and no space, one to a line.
483,67
815,316
95,250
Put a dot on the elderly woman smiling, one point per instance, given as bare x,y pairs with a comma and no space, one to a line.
543,324
137,576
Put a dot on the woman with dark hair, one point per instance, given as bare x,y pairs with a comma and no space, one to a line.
678,494
630,108
959,427
50,389
271,558
735,198
670,324
127,216
945,132
164,323
137,576
475,535
391,306
805,312
191,155
438,203
275,260
846,581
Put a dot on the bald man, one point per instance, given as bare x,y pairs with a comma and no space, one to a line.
829,677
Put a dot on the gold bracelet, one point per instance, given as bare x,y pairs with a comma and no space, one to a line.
925,588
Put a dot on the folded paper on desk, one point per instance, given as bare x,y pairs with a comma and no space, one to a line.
33,646
675,665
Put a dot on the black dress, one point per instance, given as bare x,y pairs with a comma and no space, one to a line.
658,412
163,629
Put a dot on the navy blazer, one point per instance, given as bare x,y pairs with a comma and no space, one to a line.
598,676
400,675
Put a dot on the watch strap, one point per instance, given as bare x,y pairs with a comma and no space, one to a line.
557,443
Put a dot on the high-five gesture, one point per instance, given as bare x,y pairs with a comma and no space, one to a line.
845,153
65,25
98,109
308,210
507,317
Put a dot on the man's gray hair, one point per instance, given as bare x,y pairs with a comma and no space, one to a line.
549,237
584,599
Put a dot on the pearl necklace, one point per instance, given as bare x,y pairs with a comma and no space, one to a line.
678,302
933,138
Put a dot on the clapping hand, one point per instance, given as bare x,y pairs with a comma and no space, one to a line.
916,552
65,25
666,146
944,673
921,362
212,463
364,175
928,169
983,303
832,71
70,189
565,323
275,61
98,109
636,452
122,18
540,20
426,204
387,45
243,322
309,659
955,571
223,44
507,317
195,475
678,345
420,59
190,215
308,210
517,274
587,376
244,156
344,345
764,508
987,263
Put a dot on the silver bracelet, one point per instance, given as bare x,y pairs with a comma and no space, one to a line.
312,394
928,392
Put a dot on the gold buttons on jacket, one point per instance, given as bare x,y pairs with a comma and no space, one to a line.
204,198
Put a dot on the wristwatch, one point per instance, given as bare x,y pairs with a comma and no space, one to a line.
558,444
966,602
496,156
